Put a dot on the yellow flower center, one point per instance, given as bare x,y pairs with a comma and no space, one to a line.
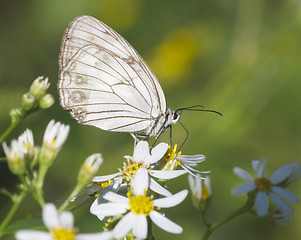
63,234
16,160
129,170
171,153
141,204
205,193
88,167
263,184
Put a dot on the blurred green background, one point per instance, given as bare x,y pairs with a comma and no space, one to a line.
241,58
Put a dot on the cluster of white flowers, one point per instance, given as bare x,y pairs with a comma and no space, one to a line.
125,201
132,208
20,153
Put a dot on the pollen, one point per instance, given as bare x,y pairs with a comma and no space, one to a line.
129,170
104,184
171,153
205,193
141,204
63,234
263,184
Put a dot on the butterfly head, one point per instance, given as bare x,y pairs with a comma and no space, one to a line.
176,116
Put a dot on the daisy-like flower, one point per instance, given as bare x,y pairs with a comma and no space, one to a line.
60,226
265,188
173,158
137,207
54,137
144,158
20,153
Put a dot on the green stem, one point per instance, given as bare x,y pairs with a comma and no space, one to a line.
9,129
244,209
16,203
38,193
74,193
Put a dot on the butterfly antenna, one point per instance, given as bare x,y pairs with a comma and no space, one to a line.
200,108
186,135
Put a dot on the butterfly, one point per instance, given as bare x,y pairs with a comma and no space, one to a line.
104,82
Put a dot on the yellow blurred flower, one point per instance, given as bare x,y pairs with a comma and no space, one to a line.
174,56
119,14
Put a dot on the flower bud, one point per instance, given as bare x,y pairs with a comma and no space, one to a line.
28,101
46,101
16,114
39,87
201,191
89,168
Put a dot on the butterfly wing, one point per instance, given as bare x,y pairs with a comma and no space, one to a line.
104,82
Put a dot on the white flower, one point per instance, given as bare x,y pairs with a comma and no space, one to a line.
89,168
96,191
60,226
143,157
200,187
187,162
138,206
55,135
266,187
20,153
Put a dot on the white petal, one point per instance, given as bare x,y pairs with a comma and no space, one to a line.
156,154
140,226
32,235
141,151
243,188
66,220
105,177
109,209
208,184
124,225
296,172
281,173
50,216
164,223
285,194
285,207
156,187
172,200
140,182
167,174
255,164
95,236
260,168
191,160
243,174
114,197
261,203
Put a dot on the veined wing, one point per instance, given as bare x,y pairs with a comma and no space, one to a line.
111,69
101,89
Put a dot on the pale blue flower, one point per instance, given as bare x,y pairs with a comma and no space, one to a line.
266,188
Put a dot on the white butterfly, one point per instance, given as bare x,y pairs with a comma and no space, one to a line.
105,83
